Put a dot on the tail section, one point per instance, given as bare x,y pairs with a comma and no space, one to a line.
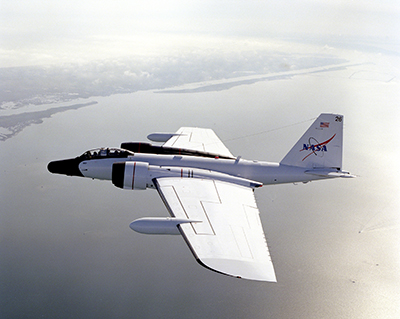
321,146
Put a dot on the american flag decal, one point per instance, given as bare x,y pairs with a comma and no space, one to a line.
324,124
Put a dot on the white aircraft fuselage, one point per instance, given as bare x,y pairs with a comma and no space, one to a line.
263,172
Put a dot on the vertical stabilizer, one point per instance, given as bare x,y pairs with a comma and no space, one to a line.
321,146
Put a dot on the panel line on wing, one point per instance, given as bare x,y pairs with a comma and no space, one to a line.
171,204
208,221
193,208
241,241
217,192
251,213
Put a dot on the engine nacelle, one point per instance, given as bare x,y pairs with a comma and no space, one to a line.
140,175
130,175
159,225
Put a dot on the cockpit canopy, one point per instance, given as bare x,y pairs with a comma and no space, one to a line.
106,153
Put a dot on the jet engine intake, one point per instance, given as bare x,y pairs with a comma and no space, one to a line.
130,175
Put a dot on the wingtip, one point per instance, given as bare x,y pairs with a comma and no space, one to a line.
250,270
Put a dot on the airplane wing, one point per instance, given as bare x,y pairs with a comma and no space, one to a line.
198,139
227,236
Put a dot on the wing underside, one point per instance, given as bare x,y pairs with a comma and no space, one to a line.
227,236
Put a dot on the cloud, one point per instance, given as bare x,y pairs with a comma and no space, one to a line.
54,31
25,86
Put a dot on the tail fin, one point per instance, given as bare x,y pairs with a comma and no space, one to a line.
321,145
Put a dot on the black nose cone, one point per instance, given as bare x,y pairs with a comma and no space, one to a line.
68,167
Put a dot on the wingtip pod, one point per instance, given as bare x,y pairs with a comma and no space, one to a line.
159,225
161,137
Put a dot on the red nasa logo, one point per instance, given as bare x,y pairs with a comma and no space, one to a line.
316,148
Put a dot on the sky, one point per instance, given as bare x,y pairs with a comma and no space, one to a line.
83,74
48,32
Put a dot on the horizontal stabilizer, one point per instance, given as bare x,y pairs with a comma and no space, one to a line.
329,173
